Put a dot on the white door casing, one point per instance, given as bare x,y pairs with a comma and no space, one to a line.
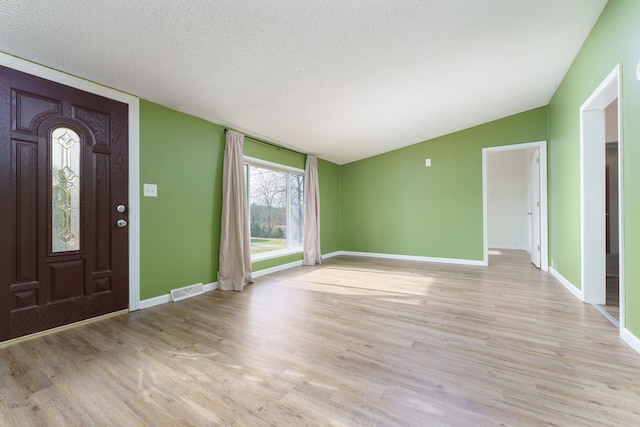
534,207
592,191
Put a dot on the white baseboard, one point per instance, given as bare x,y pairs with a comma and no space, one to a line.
416,258
163,299
211,286
276,268
567,284
509,247
629,338
332,254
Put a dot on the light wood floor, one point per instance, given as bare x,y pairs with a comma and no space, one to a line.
357,342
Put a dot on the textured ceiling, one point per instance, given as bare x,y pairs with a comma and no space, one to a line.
341,79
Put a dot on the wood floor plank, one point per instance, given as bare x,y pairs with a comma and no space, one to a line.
353,342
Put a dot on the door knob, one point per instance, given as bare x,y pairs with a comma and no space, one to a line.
121,208
121,223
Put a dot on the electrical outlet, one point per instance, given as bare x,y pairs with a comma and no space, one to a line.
150,190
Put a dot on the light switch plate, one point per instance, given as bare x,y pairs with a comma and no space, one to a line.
150,190
427,162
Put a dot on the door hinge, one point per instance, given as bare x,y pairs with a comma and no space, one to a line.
538,160
538,248
538,204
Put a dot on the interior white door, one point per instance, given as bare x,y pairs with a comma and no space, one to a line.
534,212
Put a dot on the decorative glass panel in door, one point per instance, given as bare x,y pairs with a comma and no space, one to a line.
65,190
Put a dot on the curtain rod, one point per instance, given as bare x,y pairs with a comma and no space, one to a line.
270,144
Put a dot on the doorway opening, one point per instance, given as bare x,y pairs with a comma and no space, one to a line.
514,179
601,152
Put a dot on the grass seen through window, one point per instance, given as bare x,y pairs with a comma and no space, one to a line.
260,245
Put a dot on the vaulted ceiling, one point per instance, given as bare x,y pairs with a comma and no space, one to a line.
341,79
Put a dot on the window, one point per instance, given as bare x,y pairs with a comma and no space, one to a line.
276,208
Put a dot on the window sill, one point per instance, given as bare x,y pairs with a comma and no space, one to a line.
275,254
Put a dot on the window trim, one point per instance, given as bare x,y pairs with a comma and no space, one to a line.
277,166
252,161
276,254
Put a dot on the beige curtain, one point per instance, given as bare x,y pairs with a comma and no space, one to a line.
235,252
312,254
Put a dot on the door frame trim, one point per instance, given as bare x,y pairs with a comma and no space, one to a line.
133,102
592,137
544,222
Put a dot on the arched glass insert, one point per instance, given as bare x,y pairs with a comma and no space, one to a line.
65,190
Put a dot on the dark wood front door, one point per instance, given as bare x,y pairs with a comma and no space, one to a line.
63,174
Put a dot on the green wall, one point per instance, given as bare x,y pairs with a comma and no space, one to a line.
615,39
180,229
329,177
393,204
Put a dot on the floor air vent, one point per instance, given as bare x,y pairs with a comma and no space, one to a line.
187,292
